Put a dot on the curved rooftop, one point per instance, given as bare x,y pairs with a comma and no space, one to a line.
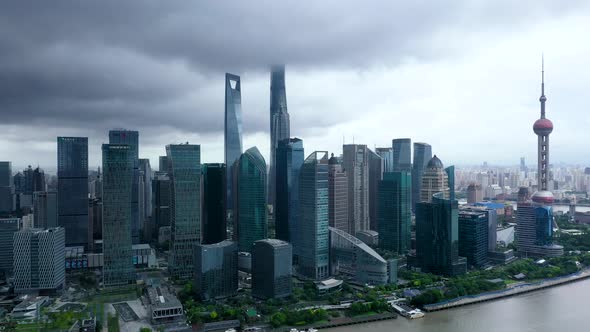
543,197
435,163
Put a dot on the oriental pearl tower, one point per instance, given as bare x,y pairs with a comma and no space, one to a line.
543,127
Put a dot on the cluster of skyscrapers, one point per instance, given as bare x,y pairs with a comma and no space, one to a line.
330,212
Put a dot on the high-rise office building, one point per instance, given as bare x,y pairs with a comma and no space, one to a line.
161,195
131,138
402,154
313,251
163,164
395,212
117,189
184,169
39,180
250,211
473,237
6,188
72,189
375,175
8,226
233,132
216,270
386,155
474,193
214,209
45,209
272,269
145,173
356,164
337,196
437,236
39,260
279,123
422,155
289,158
434,179
534,227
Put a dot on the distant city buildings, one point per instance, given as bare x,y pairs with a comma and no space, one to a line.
39,260
313,251
272,269
250,212
184,165
72,184
216,270
474,193
45,209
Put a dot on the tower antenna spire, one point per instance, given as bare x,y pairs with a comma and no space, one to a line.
542,99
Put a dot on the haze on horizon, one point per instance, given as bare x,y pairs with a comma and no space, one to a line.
464,77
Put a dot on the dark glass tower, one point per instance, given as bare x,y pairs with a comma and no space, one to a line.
402,154
279,122
214,225
473,237
314,244
289,158
161,195
272,269
131,138
72,189
395,215
422,155
6,188
233,131
184,169
251,199
117,188
216,270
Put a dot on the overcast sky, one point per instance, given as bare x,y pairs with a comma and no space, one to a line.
463,76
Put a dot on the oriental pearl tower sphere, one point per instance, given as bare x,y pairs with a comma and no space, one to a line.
543,127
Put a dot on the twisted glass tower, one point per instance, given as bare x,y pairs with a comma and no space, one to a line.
279,122
233,130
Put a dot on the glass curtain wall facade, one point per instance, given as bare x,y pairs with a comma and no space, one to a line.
214,225
375,175
117,167
473,237
251,201
279,123
8,226
216,270
6,188
233,131
272,269
402,154
72,189
184,170
356,164
395,215
313,251
289,158
337,195
131,138
422,155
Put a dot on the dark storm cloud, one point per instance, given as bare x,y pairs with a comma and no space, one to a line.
152,65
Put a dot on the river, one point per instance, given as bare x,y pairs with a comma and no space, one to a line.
558,309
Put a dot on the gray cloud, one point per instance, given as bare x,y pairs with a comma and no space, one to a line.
158,66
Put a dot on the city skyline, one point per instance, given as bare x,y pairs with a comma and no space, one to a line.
173,93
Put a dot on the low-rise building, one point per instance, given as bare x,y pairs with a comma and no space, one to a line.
163,306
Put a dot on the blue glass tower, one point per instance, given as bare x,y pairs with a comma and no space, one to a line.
279,122
422,155
402,154
394,212
251,199
117,166
289,159
184,169
313,251
72,188
233,130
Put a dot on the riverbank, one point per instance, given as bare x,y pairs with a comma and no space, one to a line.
518,289
345,321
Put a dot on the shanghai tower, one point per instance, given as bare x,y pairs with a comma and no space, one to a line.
233,130
279,123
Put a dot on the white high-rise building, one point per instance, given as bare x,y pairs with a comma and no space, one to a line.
356,164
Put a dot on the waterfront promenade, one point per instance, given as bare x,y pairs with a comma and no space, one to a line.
511,291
